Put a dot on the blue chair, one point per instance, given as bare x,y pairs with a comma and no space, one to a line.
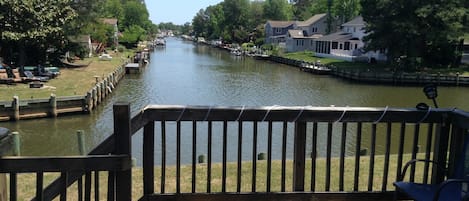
455,188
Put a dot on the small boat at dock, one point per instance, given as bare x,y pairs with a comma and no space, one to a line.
315,69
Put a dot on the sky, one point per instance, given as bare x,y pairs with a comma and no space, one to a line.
176,11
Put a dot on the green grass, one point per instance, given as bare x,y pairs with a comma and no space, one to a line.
309,56
71,81
26,182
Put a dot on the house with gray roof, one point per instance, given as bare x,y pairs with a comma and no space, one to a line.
302,37
276,31
347,44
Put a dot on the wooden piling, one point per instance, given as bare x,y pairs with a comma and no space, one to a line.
99,91
16,108
16,149
81,142
89,101
53,105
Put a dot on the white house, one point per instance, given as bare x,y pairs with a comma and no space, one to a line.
302,37
347,44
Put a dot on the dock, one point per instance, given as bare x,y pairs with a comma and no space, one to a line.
132,68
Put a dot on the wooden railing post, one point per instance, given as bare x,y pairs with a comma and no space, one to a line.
440,150
123,147
148,158
299,157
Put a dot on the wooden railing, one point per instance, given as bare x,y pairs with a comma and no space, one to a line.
311,152
434,133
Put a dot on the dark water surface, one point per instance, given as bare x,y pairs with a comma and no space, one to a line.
187,74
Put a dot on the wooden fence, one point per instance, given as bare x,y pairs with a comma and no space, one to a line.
309,137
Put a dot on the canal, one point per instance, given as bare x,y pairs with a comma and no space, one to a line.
188,74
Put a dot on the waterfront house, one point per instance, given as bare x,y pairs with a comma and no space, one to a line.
113,22
347,44
302,37
276,31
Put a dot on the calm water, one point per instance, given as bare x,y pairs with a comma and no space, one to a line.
184,73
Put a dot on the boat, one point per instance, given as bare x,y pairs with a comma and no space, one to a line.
261,56
75,65
321,70
236,52
160,42
315,69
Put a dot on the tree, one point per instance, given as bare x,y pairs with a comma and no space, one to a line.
35,24
135,13
216,21
199,23
277,10
346,10
256,13
113,9
132,35
302,9
236,16
415,33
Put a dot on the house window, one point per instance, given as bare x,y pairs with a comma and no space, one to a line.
334,45
354,29
302,43
356,46
340,46
347,46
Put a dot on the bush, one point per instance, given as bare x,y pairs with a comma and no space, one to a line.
121,48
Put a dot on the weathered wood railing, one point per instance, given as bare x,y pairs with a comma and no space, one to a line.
316,151
438,130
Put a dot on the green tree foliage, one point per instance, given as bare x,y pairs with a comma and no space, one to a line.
236,16
113,9
199,23
101,32
34,24
415,33
346,10
132,35
216,20
301,8
256,13
277,10
135,13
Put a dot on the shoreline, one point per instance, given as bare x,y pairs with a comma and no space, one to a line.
390,78
24,109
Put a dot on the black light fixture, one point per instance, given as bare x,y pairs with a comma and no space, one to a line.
431,93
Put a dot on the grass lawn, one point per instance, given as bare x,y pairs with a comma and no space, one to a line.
309,56
70,82
26,182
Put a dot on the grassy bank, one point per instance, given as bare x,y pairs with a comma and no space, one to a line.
70,82
309,56
26,182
